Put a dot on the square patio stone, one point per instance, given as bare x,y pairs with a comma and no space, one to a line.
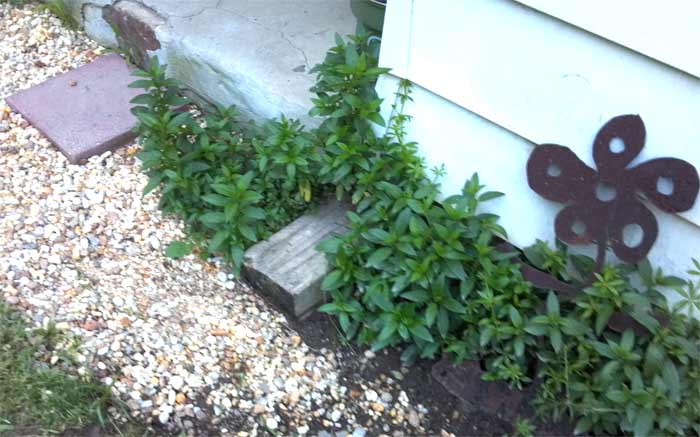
84,112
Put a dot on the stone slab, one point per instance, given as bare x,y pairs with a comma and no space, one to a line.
84,112
287,268
252,54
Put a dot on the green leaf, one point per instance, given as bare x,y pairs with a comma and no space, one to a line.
603,349
344,322
212,218
253,212
670,376
147,118
417,225
616,396
627,340
490,195
443,322
380,299
609,369
416,296
653,358
351,56
552,304
485,336
634,298
431,314
332,281
454,306
420,331
535,329
671,281
377,258
402,220
248,232
216,199
197,166
515,317
602,318
455,269
143,99
218,239
152,184
388,330
416,207
226,190
574,327
374,117
583,425
329,308
643,422
353,100
376,235
237,254
178,121
646,272
141,83
555,339
178,249
519,347
329,245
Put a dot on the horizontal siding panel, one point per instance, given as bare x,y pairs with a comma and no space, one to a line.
667,31
541,78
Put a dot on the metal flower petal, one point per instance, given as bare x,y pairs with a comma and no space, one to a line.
610,162
680,176
577,224
629,218
556,173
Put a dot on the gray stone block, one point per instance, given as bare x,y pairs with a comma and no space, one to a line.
287,268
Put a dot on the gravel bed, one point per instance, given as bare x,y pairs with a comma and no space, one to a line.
184,344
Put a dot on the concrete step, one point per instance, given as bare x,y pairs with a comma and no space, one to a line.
287,268
253,54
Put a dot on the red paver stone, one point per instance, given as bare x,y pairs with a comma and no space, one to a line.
84,112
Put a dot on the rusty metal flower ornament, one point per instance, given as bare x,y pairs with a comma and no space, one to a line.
601,204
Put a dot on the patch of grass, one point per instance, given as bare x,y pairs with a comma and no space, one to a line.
62,11
34,393
15,3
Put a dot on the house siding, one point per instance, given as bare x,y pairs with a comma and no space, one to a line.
495,77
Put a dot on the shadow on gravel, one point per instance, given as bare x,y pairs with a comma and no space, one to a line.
445,411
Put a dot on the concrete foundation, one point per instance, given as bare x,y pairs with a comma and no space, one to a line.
255,54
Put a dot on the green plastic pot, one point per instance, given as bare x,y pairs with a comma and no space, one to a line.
369,13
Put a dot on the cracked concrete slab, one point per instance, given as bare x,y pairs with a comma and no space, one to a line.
255,54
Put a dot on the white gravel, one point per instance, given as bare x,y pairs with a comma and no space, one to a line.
185,345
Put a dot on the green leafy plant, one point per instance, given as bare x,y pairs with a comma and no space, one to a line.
612,382
419,271
16,2
524,427
230,189
346,98
62,11
689,293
